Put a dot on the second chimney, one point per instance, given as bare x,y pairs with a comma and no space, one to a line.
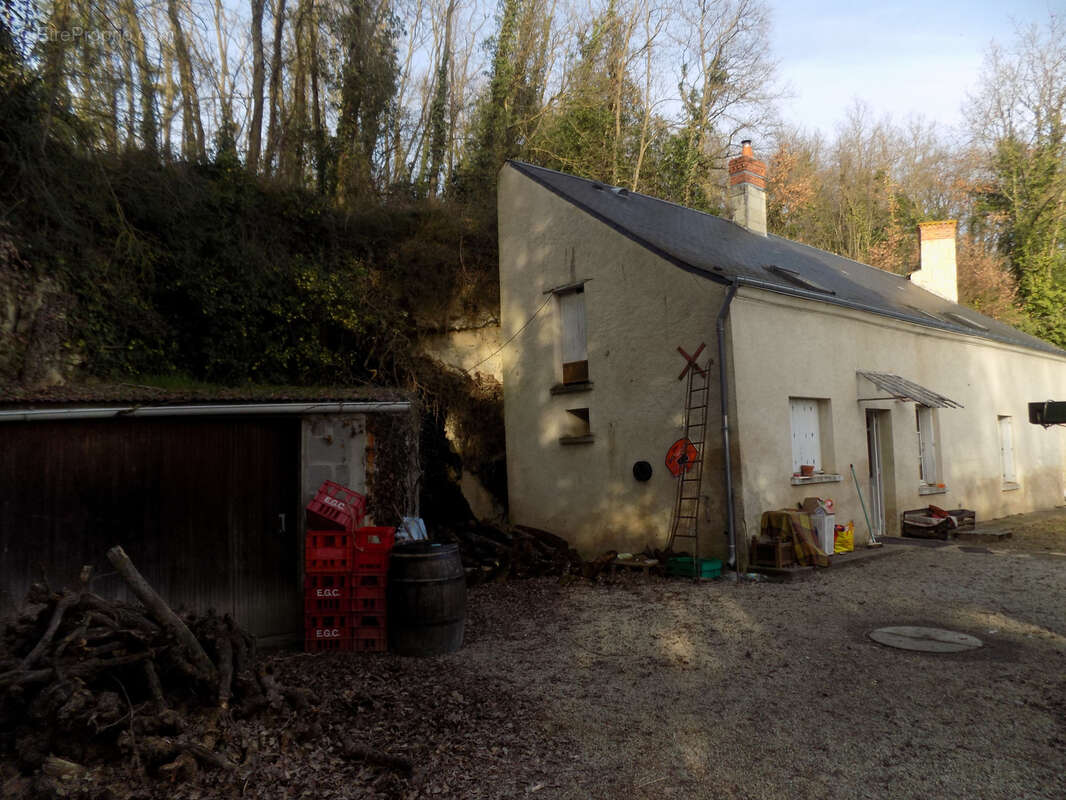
747,190
938,272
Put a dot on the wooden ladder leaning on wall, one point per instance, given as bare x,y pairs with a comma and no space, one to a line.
685,523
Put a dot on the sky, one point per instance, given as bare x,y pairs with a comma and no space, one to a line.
902,57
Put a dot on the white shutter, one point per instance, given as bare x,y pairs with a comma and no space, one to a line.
806,434
927,445
572,310
1006,449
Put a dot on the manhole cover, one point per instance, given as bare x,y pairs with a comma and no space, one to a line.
925,640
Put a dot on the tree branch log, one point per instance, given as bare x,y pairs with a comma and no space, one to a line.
162,612
66,600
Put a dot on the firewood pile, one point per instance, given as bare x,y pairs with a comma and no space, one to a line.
85,679
490,553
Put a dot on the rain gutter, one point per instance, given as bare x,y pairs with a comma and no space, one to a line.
723,383
215,410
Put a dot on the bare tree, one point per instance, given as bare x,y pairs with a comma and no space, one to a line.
727,85
255,126
224,81
192,138
654,21
146,85
275,99
402,135
438,144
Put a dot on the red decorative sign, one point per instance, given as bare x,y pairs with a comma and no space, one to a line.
691,359
681,456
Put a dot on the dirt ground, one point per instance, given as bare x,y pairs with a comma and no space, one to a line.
758,690
657,688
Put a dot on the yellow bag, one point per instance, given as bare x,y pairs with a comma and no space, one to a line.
844,540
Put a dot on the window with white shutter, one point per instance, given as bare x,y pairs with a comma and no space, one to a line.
1006,449
574,336
928,463
806,433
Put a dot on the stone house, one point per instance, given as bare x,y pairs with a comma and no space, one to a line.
814,364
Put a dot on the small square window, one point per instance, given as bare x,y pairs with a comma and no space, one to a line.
577,423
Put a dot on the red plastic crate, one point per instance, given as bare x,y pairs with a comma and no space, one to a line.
328,593
326,605
336,505
363,621
328,551
313,645
328,626
374,539
370,640
373,562
368,579
368,600
340,585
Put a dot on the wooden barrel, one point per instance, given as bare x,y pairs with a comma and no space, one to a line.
426,599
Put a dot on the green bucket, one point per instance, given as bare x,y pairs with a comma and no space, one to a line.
683,567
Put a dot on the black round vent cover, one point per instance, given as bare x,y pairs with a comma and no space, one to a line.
642,470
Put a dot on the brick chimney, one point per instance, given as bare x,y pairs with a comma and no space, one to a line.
747,190
937,272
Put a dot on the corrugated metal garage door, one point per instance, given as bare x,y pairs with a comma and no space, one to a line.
197,503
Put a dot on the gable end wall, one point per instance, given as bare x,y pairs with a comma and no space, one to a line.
639,309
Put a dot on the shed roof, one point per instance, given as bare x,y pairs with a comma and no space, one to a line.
146,395
722,251
903,389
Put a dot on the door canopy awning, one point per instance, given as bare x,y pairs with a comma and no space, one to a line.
902,389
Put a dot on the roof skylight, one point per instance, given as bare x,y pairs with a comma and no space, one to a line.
793,277
924,314
954,316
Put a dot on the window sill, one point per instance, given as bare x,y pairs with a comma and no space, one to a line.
932,490
823,477
586,439
569,388
1011,486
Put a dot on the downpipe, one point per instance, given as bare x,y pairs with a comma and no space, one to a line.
723,385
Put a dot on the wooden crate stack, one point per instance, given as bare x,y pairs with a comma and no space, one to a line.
345,568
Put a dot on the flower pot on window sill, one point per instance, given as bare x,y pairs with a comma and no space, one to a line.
806,470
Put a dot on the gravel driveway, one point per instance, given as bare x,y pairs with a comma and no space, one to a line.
663,689
656,688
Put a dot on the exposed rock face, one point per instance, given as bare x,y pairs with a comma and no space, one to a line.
468,347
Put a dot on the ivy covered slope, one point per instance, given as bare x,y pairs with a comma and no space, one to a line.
126,264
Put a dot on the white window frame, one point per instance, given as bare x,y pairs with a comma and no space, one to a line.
929,467
1008,465
573,334
806,431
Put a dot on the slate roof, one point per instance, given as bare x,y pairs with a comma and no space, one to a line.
722,250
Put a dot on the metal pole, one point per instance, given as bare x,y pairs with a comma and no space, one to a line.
869,530
723,384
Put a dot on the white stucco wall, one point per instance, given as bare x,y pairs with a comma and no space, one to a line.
786,347
639,309
332,448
